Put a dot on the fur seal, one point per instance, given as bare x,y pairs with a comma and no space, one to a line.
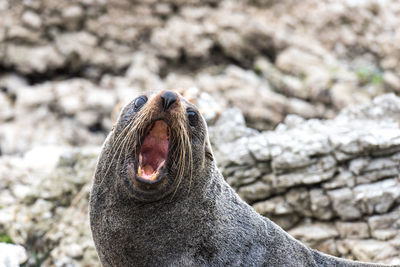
158,198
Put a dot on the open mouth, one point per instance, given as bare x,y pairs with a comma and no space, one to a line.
154,150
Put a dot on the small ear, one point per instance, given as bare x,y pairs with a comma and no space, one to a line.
208,151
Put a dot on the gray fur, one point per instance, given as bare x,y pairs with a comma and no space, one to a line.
204,224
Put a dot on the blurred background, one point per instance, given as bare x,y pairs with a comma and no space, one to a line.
332,181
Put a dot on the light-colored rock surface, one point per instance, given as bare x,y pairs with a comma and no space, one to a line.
279,54
12,255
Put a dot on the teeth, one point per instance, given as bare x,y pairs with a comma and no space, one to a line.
154,176
148,169
140,171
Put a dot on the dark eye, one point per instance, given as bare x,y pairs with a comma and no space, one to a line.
192,116
139,102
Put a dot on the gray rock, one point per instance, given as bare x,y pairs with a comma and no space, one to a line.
299,200
33,59
384,227
344,204
343,179
31,19
371,250
320,204
377,197
229,127
357,230
323,170
256,191
273,206
285,221
313,233
238,176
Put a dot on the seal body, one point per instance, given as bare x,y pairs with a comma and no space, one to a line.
149,207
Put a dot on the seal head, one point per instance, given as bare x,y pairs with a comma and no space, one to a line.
152,146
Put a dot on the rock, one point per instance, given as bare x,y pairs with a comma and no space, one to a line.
229,127
314,233
6,113
181,35
256,191
342,94
287,221
12,255
259,149
36,59
368,170
236,153
273,206
73,15
371,250
377,197
79,45
31,19
392,81
344,204
241,176
12,83
298,62
299,200
384,227
357,230
343,179
321,171
320,204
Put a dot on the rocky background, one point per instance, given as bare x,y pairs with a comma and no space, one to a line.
332,181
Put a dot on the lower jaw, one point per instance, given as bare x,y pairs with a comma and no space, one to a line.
143,182
148,191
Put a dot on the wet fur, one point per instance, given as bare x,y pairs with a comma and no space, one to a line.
201,222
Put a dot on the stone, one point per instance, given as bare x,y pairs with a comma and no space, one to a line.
344,204
391,80
342,95
34,59
259,149
72,15
229,127
343,179
358,230
299,200
323,170
238,176
320,204
287,221
296,61
12,255
31,19
371,250
313,233
258,190
6,113
386,226
377,197
236,153
273,206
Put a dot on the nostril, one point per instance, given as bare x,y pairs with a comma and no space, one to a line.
168,98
